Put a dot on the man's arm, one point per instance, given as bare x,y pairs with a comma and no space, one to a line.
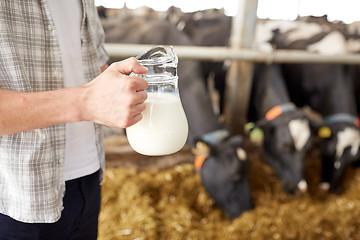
113,99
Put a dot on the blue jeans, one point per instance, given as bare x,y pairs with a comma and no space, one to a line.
79,219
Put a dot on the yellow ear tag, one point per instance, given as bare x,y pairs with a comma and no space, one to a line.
248,127
324,132
201,152
257,135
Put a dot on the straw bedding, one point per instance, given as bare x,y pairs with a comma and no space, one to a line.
143,198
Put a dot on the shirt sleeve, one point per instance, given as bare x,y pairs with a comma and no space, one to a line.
98,36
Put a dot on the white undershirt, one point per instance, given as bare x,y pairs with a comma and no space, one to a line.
81,156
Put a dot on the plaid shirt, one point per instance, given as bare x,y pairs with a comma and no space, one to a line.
31,162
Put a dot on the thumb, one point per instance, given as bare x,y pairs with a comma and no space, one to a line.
129,65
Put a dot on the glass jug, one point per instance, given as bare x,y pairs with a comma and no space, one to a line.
164,128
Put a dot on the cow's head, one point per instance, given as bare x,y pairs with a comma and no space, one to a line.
286,140
339,149
224,169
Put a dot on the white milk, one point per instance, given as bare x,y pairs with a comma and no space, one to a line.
163,128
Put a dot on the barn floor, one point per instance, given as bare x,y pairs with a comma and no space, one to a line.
147,198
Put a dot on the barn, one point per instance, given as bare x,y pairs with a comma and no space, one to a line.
276,112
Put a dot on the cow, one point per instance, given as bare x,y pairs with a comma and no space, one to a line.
327,89
224,169
352,33
221,160
210,27
286,129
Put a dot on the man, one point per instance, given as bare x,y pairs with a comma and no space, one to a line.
52,105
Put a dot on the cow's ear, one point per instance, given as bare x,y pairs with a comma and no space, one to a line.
299,114
263,123
315,119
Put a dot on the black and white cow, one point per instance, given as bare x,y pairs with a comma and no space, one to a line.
209,27
224,171
352,33
327,89
221,160
287,134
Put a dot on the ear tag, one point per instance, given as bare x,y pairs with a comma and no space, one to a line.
324,132
257,135
201,152
248,127
357,121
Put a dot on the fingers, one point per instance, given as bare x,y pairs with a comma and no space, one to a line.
134,115
138,104
133,120
137,109
141,97
104,67
130,109
129,65
116,99
136,83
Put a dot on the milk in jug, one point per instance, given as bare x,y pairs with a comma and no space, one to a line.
164,128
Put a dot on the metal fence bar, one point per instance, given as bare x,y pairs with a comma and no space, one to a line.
116,50
239,74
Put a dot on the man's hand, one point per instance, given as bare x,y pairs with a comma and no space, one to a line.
104,67
114,98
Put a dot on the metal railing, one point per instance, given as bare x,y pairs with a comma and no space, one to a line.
116,50
239,84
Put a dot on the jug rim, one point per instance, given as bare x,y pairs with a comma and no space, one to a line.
155,61
169,57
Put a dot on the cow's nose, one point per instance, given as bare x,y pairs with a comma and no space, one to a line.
302,186
324,186
331,188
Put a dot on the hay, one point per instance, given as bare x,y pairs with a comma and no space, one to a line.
172,204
